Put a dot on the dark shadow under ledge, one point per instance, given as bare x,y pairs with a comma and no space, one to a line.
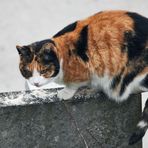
37,119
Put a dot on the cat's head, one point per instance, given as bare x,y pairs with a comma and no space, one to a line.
39,63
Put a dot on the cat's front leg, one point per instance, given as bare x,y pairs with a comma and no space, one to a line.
27,85
66,93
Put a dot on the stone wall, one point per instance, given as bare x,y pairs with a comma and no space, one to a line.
38,120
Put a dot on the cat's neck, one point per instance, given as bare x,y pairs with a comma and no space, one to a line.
64,44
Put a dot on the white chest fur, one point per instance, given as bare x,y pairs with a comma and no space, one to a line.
102,83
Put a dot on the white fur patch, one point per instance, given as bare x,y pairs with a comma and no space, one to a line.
102,83
133,87
142,124
37,78
66,93
105,82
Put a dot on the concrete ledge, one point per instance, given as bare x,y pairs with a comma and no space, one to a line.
44,122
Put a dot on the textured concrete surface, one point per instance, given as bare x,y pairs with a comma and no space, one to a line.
101,122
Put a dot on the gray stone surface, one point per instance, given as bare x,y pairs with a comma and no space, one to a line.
53,124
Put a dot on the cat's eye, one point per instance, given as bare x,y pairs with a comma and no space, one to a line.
44,71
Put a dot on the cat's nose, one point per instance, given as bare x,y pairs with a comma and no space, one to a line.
37,84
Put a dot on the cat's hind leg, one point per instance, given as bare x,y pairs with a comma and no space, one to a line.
142,126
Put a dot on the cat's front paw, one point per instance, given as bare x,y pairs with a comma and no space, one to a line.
65,94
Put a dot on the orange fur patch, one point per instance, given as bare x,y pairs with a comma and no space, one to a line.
105,40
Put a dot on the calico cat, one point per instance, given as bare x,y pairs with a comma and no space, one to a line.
107,51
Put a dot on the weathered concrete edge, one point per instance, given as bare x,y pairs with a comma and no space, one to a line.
22,98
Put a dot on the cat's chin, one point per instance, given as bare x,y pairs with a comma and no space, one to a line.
30,86
39,84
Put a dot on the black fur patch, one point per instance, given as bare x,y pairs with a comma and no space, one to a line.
26,54
26,73
145,56
146,104
82,44
50,57
136,42
129,78
69,53
116,80
67,29
38,45
145,82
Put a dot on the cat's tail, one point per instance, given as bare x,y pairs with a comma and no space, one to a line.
142,127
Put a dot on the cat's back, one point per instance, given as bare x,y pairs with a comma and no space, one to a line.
108,42
116,38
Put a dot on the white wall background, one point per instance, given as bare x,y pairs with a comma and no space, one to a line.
26,21
145,139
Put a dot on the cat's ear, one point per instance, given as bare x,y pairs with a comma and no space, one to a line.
19,49
22,49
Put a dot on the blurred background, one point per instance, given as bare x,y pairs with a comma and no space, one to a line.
26,21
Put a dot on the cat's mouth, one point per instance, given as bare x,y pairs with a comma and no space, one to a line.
37,85
39,81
